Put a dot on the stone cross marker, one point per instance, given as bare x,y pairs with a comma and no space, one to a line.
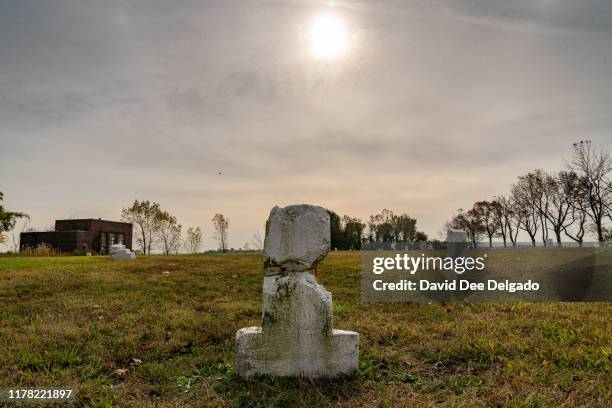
296,338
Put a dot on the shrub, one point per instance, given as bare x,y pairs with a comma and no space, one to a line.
43,249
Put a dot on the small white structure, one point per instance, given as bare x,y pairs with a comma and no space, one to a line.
296,338
119,252
456,235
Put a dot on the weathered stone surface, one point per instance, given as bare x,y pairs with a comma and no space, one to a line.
297,237
115,248
296,338
456,235
123,254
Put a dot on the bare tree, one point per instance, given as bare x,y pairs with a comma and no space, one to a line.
193,240
221,226
535,183
256,242
579,213
508,218
498,220
559,192
609,201
595,167
527,213
20,226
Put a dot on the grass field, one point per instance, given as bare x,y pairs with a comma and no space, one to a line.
159,331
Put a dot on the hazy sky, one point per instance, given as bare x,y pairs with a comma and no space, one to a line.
433,105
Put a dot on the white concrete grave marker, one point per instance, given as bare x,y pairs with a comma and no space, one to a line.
119,252
296,338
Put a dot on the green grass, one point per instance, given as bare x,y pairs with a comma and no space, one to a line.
76,320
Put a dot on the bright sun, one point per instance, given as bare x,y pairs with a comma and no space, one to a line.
328,36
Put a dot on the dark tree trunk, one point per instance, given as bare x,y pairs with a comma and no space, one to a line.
600,237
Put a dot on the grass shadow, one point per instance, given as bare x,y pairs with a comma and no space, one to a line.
266,391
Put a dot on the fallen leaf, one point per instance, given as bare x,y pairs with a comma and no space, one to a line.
120,372
410,360
135,361
165,273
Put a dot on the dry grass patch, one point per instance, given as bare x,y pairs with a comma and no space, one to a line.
85,321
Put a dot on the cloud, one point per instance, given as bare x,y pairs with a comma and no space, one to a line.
436,104
551,15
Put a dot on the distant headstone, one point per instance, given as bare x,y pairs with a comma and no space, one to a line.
457,242
115,248
296,338
119,252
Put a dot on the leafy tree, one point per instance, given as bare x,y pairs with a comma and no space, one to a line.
336,232
193,240
488,212
607,234
168,231
404,227
144,215
390,227
353,232
470,222
221,226
346,232
381,228
8,219
420,236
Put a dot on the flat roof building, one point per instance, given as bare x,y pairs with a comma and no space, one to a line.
83,235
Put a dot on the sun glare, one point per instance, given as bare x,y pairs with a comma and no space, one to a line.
328,36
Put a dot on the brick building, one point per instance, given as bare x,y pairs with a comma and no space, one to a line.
87,235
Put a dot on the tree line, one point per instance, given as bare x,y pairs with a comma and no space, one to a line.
348,233
565,204
153,225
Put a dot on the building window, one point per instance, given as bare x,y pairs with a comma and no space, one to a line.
103,242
